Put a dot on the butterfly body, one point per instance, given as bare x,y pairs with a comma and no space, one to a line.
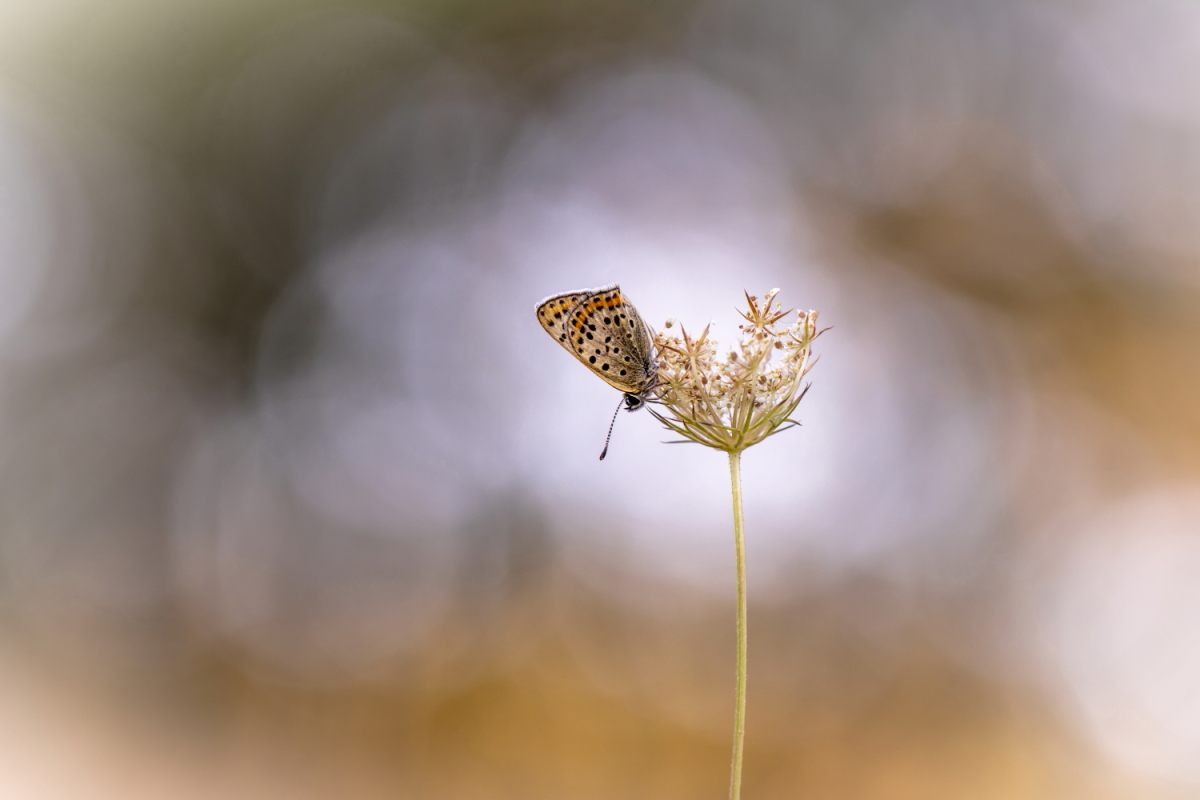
602,329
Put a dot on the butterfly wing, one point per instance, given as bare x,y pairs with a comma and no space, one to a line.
552,314
606,333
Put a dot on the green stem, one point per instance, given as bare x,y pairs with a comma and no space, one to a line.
739,714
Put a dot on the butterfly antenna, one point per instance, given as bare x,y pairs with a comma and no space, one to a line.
604,452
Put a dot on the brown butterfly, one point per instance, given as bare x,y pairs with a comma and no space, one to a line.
602,329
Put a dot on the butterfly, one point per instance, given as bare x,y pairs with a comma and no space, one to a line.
602,329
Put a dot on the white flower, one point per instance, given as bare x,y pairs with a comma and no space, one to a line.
738,401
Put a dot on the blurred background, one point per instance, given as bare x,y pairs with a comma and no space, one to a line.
297,500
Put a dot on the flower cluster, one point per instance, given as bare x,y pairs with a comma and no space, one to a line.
737,401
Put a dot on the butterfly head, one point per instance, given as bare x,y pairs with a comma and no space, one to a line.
633,402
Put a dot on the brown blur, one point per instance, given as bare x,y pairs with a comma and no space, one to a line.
297,500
